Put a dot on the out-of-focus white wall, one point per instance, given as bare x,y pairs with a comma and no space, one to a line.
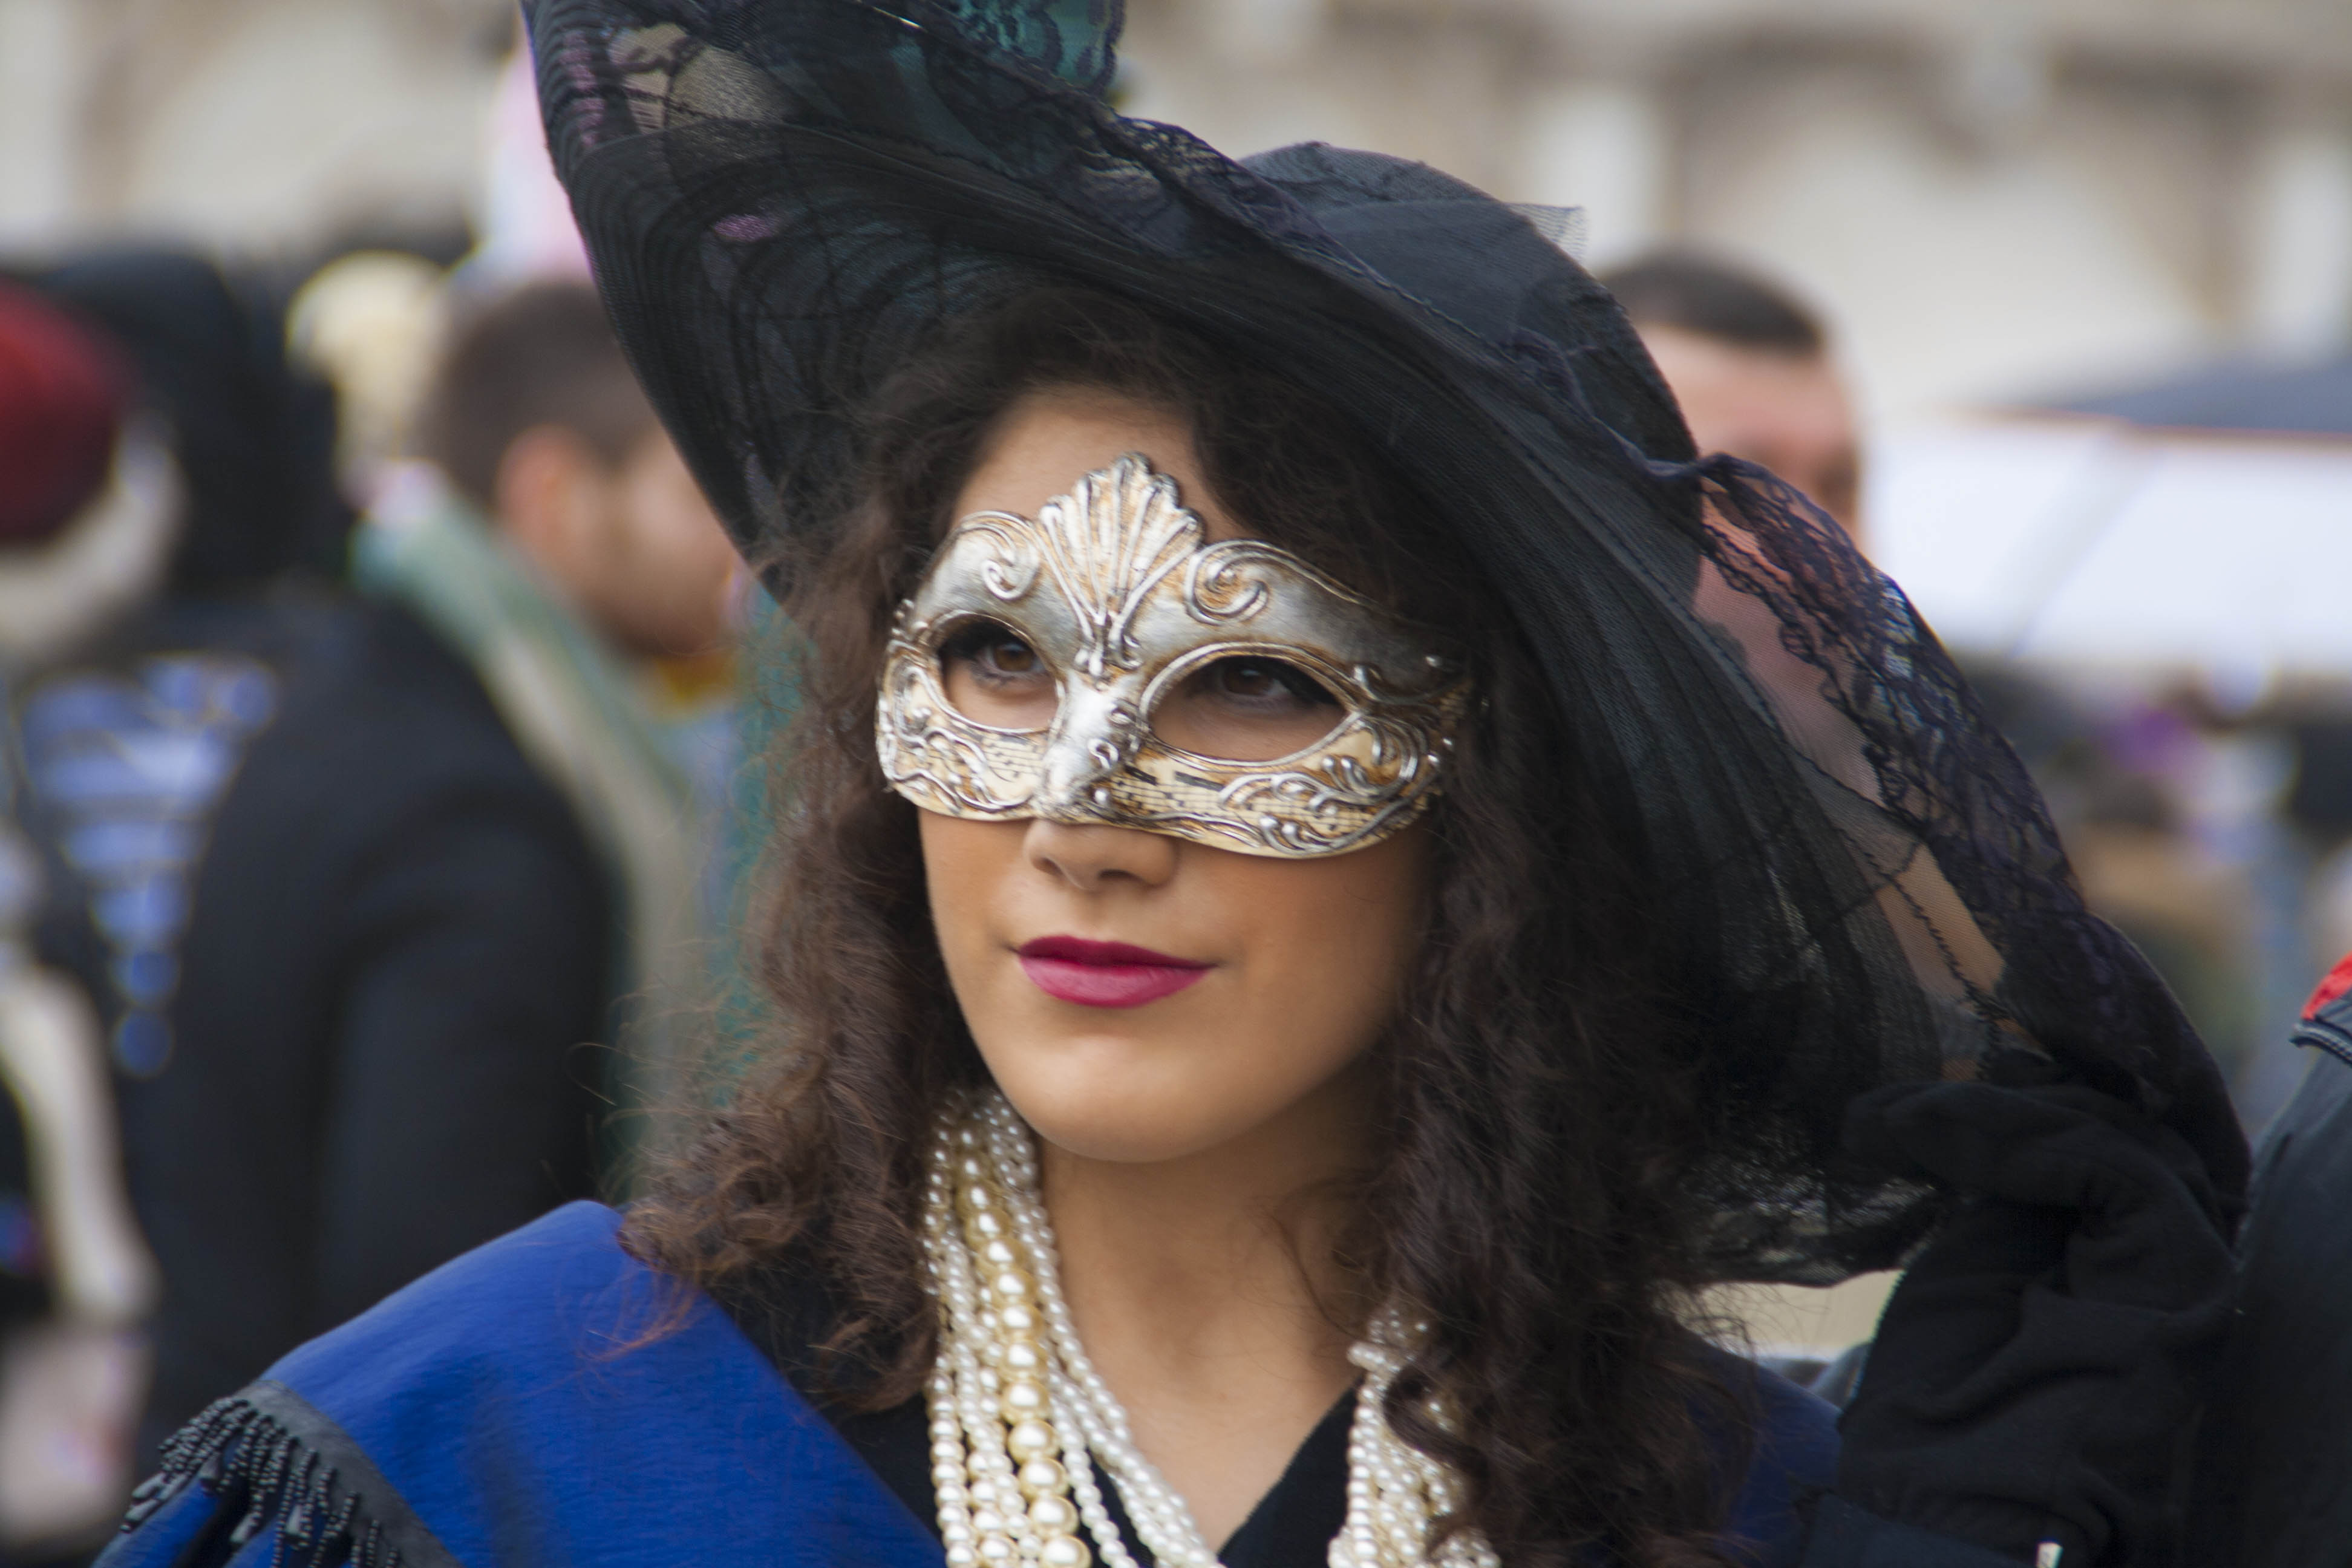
248,125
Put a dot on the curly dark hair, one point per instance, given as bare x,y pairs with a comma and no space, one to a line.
1537,1098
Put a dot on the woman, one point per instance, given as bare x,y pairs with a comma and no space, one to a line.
1333,877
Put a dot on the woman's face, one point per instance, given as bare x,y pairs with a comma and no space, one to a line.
1140,997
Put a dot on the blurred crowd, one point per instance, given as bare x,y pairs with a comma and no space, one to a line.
370,664
379,735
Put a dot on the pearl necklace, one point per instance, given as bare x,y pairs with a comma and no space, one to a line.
1019,1418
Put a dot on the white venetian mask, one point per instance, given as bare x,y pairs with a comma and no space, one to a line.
1100,664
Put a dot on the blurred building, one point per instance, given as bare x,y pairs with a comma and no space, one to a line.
1997,198
1994,198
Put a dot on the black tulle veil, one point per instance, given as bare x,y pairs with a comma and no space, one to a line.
784,198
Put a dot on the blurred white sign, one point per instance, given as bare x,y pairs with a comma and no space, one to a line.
2086,542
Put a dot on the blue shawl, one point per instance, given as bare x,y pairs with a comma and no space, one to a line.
547,1400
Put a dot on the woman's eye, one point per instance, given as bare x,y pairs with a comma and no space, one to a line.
994,675
993,653
1266,682
1248,708
1009,656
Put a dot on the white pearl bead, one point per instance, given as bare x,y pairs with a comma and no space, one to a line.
1052,1515
1030,1440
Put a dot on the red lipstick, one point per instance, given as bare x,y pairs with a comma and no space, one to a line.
1103,973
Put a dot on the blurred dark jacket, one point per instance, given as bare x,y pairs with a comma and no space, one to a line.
350,942
2276,1444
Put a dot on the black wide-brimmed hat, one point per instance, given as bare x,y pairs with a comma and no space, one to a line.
786,199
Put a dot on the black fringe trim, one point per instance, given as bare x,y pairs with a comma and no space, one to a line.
271,1459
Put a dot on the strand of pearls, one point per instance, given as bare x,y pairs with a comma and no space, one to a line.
1161,1518
1012,1388
1393,1489
1002,1499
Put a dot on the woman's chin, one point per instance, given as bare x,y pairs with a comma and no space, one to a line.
1122,1141
1104,1105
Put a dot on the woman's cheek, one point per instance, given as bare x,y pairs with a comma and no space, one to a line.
965,866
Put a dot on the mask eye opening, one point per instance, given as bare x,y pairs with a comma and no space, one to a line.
1248,722
996,676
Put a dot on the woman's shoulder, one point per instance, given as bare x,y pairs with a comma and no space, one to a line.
1791,1453
1796,1429
544,1399
553,1293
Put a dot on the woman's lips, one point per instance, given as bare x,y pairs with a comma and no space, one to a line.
1103,973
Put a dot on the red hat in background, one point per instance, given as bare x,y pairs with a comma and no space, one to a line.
63,395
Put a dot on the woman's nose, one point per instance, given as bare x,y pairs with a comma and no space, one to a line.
1090,858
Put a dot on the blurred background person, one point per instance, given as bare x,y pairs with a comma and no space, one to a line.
1751,365
555,540
77,500
346,941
